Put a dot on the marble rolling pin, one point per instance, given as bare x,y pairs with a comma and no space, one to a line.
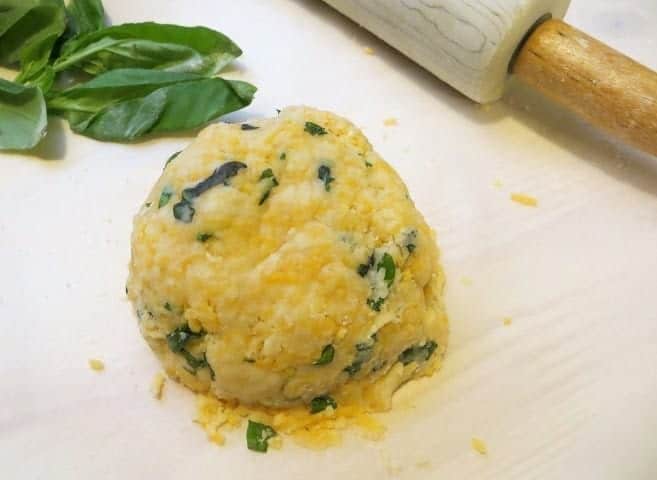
473,45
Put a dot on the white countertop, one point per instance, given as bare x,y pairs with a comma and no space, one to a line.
567,391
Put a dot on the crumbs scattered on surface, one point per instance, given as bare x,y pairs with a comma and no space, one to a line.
390,122
96,365
157,387
317,431
523,199
466,281
368,51
479,446
498,183
507,321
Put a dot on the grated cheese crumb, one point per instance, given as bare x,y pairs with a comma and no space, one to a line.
507,321
498,183
479,446
390,122
526,200
368,51
157,387
96,365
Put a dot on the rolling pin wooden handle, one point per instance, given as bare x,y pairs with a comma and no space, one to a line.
610,90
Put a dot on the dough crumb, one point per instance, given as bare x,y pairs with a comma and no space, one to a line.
390,122
507,321
479,446
466,281
498,183
368,51
523,199
96,365
157,387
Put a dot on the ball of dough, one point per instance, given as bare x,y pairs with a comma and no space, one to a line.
282,260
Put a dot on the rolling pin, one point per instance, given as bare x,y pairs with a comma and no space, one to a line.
474,45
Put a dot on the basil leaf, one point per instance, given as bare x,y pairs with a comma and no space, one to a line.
363,354
268,175
324,174
204,237
28,32
314,129
184,211
321,403
220,176
123,105
418,353
23,117
149,45
178,338
328,352
258,435
165,196
388,265
85,16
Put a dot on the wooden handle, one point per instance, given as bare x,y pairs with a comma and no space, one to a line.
602,85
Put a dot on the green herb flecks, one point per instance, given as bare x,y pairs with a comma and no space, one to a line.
258,435
168,307
328,352
418,353
268,176
249,360
220,176
388,264
204,237
178,338
183,211
376,304
368,164
364,268
409,241
171,159
247,127
363,354
321,403
165,196
282,156
314,129
324,174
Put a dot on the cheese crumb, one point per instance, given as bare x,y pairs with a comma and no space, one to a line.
368,51
479,446
507,321
157,387
526,200
96,365
498,183
390,122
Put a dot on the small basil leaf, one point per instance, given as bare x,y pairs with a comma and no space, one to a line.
258,435
321,403
246,127
184,211
324,174
375,304
204,237
328,352
165,196
220,176
178,338
152,46
314,129
418,353
388,265
23,116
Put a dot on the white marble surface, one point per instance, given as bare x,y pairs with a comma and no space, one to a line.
567,391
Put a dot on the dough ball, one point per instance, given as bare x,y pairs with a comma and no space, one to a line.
282,260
